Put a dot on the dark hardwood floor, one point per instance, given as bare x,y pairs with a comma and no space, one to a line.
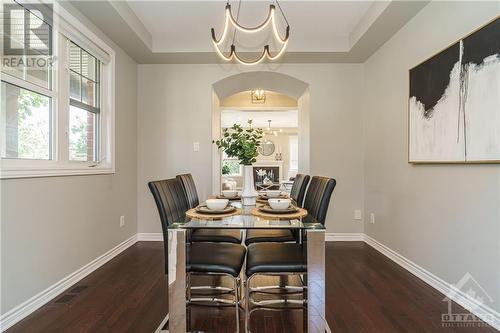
366,292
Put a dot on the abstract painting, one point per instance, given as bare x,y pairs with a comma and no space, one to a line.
454,103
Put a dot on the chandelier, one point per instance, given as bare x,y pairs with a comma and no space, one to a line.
258,96
270,130
266,53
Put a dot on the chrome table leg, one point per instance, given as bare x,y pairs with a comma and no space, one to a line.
315,242
177,281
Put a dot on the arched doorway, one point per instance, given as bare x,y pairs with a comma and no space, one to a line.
270,81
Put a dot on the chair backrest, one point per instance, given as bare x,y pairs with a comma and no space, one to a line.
172,205
299,187
189,189
318,197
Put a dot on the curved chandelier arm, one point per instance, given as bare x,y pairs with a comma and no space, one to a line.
222,55
224,33
277,55
277,35
269,18
249,63
265,54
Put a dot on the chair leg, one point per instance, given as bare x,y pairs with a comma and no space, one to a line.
247,305
237,302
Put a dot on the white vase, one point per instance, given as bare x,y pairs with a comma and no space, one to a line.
249,194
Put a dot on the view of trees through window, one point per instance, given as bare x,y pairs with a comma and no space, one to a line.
230,167
81,136
25,124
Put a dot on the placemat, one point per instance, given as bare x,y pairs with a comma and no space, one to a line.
301,213
192,213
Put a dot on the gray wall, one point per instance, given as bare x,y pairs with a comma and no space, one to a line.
52,226
445,218
175,111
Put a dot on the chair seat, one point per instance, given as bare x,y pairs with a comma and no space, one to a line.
216,235
275,258
215,258
270,235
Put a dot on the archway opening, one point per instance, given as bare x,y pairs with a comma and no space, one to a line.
283,113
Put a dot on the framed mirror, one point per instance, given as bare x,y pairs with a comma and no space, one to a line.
266,148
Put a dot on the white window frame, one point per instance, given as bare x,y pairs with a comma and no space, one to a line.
67,26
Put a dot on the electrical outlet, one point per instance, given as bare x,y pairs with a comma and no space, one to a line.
372,218
196,146
122,221
357,214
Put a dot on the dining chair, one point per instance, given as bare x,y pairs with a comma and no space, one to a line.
280,259
281,235
203,258
205,235
318,196
298,191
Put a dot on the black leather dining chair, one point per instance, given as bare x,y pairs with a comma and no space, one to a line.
205,235
318,197
281,235
203,258
287,258
298,191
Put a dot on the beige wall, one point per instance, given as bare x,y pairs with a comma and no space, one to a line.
445,218
171,119
52,226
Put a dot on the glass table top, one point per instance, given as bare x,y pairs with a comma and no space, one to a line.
246,220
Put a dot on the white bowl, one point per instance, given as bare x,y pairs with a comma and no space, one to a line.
230,194
273,193
279,204
217,204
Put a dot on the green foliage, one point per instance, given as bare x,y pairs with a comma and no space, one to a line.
241,143
33,130
230,167
78,142
226,170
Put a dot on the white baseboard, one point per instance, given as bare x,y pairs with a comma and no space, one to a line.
344,237
24,309
486,313
150,237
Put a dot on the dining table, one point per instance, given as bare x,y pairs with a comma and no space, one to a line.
313,239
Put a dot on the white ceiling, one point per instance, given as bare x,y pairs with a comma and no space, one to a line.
184,26
279,119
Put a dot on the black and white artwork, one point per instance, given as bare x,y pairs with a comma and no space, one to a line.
454,103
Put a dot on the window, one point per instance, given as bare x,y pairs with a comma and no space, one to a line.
57,102
84,104
28,46
25,124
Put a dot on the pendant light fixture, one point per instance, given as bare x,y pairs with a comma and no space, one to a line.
272,131
258,96
266,53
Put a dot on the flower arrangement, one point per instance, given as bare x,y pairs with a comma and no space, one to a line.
241,143
261,172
